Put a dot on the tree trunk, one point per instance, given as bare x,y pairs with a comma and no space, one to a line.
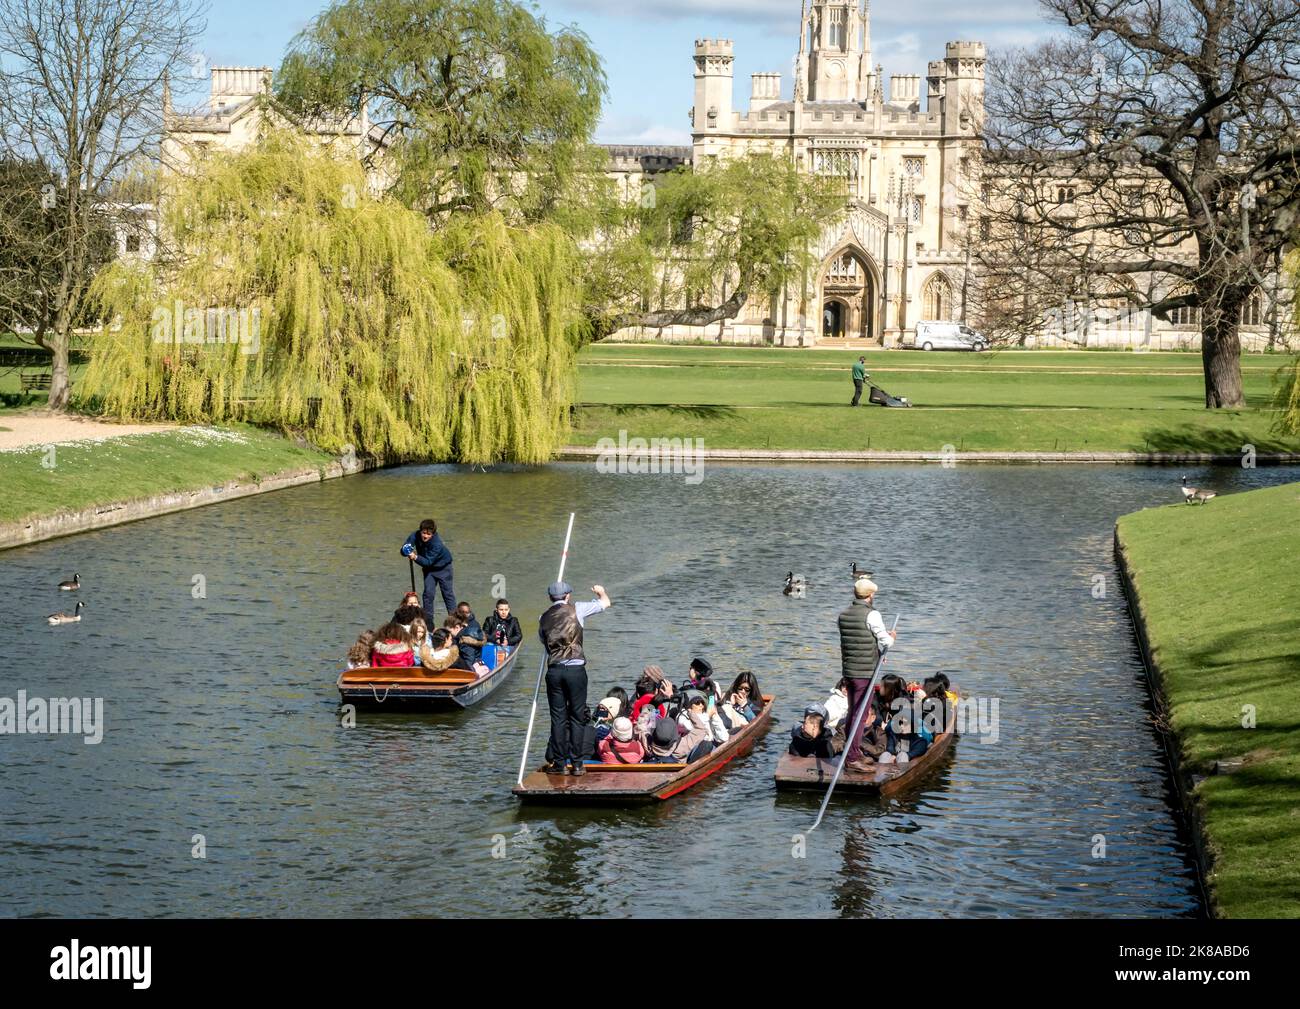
1221,349
58,344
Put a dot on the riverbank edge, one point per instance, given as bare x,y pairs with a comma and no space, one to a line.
39,528
1184,782
586,453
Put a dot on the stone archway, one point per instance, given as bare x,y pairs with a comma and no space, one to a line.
848,296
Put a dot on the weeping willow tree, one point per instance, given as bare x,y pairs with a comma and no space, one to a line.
1287,400
295,298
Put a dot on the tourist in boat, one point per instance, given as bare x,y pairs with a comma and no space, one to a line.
837,707
560,628
502,627
419,633
426,548
905,738
392,647
404,616
471,640
718,731
653,693
699,675
442,652
743,701
812,736
863,640
619,747
695,732
359,653
607,711
661,743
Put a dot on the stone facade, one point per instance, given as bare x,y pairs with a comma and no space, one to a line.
908,149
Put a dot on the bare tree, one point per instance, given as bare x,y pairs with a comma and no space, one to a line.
81,94
1151,157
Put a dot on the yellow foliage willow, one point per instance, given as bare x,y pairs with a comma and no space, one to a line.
293,298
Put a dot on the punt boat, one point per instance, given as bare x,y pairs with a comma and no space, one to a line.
631,784
815,773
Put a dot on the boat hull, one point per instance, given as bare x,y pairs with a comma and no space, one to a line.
634,784
406,689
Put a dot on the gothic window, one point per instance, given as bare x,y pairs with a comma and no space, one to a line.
986,229
1187,315
913,168
838,29
937,298
914,210
1065,194
844,270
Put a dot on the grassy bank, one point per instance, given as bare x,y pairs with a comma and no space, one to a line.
92,473
1218,587
1006,401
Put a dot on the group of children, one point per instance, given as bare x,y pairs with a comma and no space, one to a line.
460,643
663,723
900,724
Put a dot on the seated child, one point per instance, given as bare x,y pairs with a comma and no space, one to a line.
812,738
392,647
618,747
419,639
653,691
904,737
359,653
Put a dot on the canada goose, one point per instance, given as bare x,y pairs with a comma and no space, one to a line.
71,586
1188,492
66,618
794,584
1194,496
861,572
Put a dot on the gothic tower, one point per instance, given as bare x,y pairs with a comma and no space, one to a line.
835,52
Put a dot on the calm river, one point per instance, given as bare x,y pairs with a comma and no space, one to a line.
221,712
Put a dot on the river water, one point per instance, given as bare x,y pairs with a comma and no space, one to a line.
214,638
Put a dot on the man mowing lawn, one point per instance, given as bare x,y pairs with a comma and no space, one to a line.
859,379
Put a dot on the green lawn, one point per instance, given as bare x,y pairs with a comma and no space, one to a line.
745,397
1219,587
135,466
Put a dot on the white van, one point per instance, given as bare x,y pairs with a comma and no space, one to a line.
948,336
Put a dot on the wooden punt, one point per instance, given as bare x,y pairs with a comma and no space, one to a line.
629,784
410,689
885,779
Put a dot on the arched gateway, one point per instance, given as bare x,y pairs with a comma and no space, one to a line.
849,297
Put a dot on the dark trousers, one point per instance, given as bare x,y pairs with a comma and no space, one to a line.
857,691
857,391
435,581
566,694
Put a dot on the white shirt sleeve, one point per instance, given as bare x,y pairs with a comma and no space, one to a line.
589,608
877,624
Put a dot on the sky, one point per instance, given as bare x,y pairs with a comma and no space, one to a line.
647,45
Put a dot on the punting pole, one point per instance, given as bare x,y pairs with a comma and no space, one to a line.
857,720
528,739
411,561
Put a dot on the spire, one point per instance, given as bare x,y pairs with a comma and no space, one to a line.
167,97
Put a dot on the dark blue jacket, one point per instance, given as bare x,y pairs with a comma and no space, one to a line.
469,654
432,556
